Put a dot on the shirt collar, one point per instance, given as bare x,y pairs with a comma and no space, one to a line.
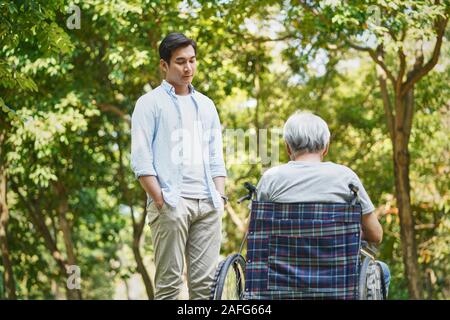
171,90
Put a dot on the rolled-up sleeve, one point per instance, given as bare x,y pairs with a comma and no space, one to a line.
216,162
142,131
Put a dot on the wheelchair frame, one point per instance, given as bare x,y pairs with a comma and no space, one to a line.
371,284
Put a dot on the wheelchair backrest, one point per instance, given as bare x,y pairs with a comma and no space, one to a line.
303,251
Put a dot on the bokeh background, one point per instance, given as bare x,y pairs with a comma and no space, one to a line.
70,73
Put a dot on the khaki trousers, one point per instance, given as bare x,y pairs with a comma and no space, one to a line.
192,230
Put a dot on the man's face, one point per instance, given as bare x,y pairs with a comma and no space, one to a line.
181,69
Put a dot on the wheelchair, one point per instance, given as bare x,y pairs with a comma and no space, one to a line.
301,251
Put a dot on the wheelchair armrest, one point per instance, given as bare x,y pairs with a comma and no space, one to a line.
369,248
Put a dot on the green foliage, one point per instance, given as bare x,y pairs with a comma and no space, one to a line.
66,97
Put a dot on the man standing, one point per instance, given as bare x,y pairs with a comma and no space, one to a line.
176,153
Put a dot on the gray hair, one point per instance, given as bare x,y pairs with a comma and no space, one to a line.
305,132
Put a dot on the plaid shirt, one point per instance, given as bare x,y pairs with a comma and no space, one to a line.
303,251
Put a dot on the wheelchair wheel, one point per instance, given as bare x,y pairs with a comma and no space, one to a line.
229,281
371,283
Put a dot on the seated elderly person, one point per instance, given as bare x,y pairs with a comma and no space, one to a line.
306,178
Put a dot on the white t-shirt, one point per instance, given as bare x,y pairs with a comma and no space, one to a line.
304,181
194,184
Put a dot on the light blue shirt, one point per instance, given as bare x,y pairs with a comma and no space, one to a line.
156,141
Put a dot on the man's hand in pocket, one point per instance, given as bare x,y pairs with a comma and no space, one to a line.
159,203
152,187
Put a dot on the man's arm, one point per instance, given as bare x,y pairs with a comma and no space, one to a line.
216,162
152,187
220,184
142,131
371,227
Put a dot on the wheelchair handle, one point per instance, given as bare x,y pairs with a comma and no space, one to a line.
251,191
251,188
355,190
247,197
368,249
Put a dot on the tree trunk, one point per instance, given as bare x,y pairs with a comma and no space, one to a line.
402,131
399,127
138,227
38,220
142,270
63,208
10,284
137,233
407,233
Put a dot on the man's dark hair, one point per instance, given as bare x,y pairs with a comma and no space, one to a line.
172,42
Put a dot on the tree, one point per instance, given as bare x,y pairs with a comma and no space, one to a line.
72,129
387,39
41,33
67,194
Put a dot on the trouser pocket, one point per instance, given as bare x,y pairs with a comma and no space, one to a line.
153,212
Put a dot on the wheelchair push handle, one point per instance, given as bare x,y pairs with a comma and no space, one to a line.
368,249
354,189
244,198
251,191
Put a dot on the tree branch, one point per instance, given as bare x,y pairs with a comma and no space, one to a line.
357,47
402,70
375,55
392,34
39,222
419,72
105,107
141,224
314,13
252,39
387,106
408,103
235,218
